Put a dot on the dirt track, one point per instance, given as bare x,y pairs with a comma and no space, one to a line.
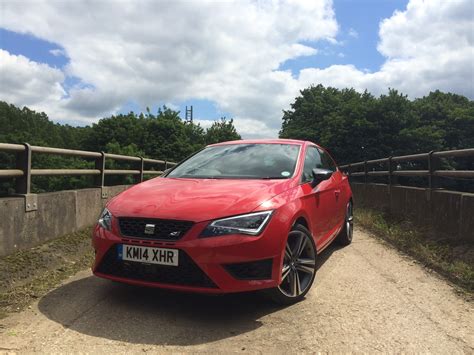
367,298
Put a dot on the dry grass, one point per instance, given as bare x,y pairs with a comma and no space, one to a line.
453,259
29,274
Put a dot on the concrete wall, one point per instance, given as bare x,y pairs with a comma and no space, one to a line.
445,213
57,214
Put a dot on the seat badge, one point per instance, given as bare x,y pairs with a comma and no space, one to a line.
149,229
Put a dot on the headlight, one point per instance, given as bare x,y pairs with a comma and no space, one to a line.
250,224
105,219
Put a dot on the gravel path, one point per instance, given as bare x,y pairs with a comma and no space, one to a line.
367,298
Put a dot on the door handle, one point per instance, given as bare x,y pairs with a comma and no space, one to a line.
337,193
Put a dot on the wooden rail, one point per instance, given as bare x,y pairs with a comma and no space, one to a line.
23,171
432,159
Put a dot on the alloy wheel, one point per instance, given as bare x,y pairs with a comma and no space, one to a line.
349,221
299,264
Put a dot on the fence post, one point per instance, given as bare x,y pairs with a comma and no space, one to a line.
365,171
431,185
23,183
23,162
139,177
100,179
431,169
390,171
390,183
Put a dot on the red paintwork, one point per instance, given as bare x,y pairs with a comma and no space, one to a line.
203,200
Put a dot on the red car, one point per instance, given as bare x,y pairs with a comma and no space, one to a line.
236,216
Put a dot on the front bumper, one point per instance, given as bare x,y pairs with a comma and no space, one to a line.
224,264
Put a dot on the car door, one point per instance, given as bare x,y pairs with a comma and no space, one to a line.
320,201
337,180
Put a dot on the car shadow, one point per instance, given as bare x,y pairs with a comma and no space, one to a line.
326,254
140,315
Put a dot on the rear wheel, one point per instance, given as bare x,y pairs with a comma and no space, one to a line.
298,269
345,236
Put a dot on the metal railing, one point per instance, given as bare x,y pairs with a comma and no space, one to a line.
23,171
392,166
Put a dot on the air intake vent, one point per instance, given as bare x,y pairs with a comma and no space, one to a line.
254,270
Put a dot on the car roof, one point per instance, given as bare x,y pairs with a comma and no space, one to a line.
264,141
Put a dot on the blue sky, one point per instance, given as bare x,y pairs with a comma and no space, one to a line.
360,48
78,65
41,51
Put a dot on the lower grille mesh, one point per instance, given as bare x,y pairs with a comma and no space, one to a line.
254,270
186,274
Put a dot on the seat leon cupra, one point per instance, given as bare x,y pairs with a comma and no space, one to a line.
236,216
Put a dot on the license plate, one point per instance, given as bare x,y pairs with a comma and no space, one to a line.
149,255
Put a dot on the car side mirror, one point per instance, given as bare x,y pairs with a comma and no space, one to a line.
320,175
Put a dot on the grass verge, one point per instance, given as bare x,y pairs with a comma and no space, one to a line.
29,274
453,259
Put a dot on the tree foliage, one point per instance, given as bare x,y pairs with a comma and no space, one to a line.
221,131
163,135
359,126
354,126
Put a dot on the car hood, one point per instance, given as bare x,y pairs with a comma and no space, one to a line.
195,199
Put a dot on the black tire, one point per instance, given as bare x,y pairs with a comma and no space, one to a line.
298,269
345,235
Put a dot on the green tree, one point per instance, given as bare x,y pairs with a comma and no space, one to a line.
357,126
222,131
339,120
161,135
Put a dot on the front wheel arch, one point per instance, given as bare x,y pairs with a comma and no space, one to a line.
301,221
299,257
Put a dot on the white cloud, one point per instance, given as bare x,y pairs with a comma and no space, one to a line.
253,128
172,106
35,83
225,52
353,33
204,123
428,46
39,86
57,52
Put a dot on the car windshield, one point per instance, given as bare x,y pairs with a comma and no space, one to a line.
240,161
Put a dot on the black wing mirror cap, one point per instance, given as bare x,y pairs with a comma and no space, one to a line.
319,175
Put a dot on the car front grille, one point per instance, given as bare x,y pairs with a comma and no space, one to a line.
157,229
254,270
187,273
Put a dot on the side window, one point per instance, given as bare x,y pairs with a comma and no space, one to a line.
312,160
327,162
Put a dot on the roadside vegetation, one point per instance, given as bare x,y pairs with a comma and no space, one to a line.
161,135
358,126
453,259
29,274
353,126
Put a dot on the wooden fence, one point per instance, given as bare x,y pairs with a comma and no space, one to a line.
22,171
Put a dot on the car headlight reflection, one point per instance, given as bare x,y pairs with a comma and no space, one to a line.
247,224
105,219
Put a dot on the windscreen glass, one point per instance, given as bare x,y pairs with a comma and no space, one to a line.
240,161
